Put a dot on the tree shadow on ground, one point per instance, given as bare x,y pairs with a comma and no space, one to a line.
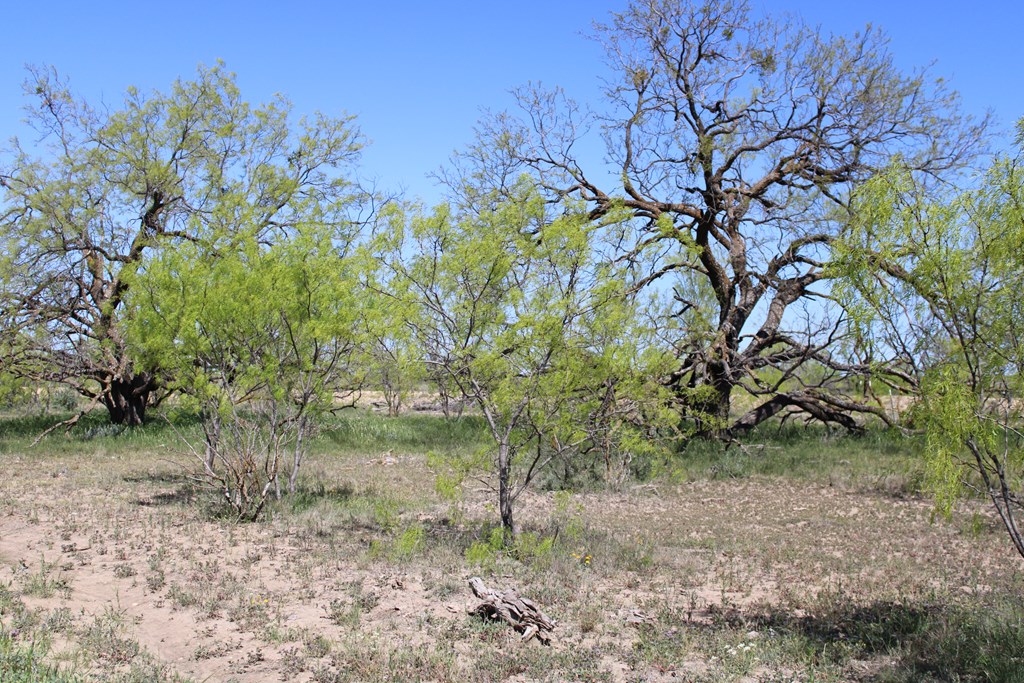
901,641
164,488
307,497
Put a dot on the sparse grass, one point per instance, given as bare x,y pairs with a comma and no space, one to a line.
370,659
25,641
251,612
803,555
45,581
104,638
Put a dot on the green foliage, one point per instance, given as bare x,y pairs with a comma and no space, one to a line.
528,547
410,542
386,514
258,338
112,197
14,391
242,320
484,553
938,280
531,547
513,305
403,547
948,413
451,468
389,356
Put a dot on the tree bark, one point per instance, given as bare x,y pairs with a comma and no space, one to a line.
821,408
505,501
722,400
126,399
522,614
710,412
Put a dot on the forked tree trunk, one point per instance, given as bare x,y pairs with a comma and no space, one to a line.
126,399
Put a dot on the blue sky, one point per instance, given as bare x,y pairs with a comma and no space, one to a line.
418,74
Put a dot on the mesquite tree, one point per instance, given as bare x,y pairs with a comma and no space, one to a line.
735,142
260,340
515,306
938,282
104,187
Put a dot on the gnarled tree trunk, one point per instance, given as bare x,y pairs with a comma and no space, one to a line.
126,399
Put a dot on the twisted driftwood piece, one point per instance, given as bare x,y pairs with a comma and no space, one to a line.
520,613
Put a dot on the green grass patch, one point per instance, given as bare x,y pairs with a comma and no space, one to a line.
94,434
351,431
22,662
366,432
879,459
980,643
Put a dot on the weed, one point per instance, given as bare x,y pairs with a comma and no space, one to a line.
180,597
361,598
316,645
293,662
58,620
124,571
386,514
251,613
532,547
45,582
484,554
590,618
211,650
25,662
401,549
105,640
343,613
409,543
156,579
18,617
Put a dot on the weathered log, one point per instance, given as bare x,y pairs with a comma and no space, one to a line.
518,612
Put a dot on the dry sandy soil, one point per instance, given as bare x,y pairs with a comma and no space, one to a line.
712,580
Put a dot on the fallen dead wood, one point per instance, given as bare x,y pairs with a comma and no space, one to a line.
518,612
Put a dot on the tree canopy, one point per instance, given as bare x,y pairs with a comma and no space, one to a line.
936,282
103,188
259,339
735,142
514,305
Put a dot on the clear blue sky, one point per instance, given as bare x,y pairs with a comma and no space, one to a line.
418,74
